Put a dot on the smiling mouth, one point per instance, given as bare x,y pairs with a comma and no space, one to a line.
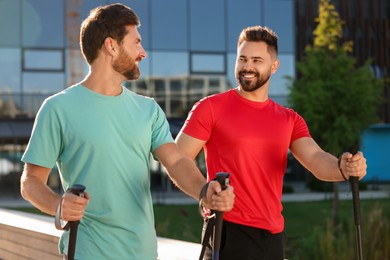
248,75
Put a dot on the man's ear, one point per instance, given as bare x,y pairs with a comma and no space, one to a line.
110,45
275,65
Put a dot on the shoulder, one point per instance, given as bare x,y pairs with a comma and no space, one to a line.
138,98
215,99
285,110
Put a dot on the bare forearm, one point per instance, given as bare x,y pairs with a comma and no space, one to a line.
187,177
39,195
324,167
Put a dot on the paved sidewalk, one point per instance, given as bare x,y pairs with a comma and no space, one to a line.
179,198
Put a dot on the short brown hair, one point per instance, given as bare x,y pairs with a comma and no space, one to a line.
102,22
259,34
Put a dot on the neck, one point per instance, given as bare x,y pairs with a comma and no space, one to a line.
259,95
103,82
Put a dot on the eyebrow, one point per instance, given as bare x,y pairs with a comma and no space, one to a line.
252,57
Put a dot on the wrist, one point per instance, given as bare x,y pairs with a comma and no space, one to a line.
58,222
203,191
202,196
341,170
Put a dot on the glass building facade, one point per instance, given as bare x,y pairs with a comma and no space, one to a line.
191,47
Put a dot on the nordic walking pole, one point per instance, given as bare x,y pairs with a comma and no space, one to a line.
78,190
223,179
354,181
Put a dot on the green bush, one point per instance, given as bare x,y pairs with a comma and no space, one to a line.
339,242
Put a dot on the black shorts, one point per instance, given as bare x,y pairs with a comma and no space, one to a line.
249,243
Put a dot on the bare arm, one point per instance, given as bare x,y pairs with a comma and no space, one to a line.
189,145
185,174
34,188
323,165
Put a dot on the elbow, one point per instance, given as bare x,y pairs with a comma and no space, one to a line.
23,191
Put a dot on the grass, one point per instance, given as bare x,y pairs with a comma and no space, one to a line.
183,222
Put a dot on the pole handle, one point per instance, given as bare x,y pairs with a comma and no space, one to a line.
78,190
354,182
223,179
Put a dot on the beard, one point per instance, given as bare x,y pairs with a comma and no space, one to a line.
252,84
127,66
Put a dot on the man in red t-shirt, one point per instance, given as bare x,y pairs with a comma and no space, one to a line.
245,133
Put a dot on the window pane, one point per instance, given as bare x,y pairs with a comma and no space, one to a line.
43,83
43,23
239,18
284,28
169,63
207,28
169,25
10,70
279,82
43,60
208,63
231,64
10,99
10,12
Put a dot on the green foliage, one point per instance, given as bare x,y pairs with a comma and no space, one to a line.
329,29
339,242
337,98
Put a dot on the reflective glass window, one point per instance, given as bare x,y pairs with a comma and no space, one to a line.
43,59
284,28
43,23
231,64
207,63
239,18
279,83
10,70
43,83
10,98
169,63
10,15
169,25
207,25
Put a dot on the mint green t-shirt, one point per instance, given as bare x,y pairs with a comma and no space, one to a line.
104,143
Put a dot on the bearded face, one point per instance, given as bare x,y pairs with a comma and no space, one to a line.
127,66
251,80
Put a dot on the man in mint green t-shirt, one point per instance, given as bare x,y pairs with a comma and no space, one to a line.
101,135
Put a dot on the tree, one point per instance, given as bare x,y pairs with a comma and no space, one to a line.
337,98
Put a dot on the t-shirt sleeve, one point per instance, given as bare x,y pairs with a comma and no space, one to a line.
161,133
199,123
44,145
300,128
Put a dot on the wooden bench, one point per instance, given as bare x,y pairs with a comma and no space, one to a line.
32,236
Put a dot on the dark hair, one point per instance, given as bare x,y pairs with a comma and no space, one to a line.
102,22
259,34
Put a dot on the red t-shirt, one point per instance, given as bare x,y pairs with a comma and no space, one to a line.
249,140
